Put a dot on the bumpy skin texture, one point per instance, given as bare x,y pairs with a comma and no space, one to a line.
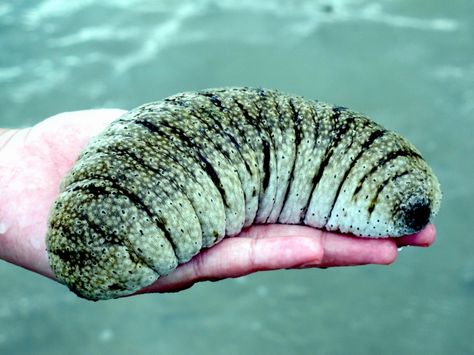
175,176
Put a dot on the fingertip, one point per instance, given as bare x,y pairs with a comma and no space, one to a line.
424,238
429,235
344,250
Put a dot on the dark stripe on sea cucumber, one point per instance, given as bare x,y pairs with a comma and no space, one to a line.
252,122
102,190
381,187
364,147
226,135
266,164
210,140
148,125
267,146
159,171
283,131
296,126
155,129
317,123
342,129
214,177
220,131
382,161
246,114
75,257
216,101
117,241
174,100
109,239
208,168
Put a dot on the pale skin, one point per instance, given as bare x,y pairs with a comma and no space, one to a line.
33,161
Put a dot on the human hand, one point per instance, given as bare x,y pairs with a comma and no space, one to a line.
34,160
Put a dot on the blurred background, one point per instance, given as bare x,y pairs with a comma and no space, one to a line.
407,64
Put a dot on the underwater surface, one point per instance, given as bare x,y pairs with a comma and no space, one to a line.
408,65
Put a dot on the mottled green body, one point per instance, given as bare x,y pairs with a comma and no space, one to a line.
172,177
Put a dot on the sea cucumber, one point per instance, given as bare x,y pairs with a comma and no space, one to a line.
172,177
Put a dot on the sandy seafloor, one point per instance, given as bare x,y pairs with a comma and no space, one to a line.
408,64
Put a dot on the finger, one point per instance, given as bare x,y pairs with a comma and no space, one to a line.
424,238
345,250
235,257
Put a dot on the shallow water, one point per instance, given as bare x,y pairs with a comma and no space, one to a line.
407,64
